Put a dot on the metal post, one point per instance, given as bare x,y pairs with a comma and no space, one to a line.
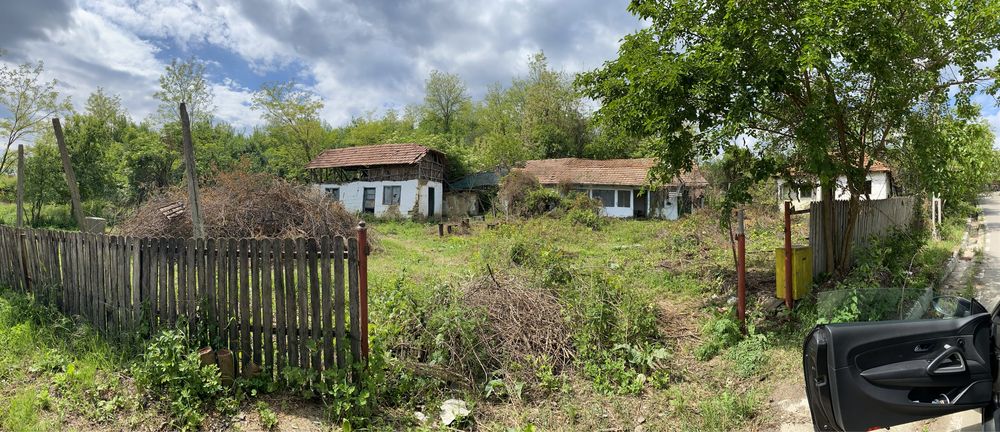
20,186
197,223
741,272
788,254
363,288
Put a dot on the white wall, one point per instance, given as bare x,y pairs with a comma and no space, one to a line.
668,211
411,192
880,190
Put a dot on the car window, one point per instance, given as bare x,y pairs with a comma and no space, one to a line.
886,304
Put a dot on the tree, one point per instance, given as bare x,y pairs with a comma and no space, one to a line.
829,86
185,81
292,116
552,116
44,182
28,102
445,96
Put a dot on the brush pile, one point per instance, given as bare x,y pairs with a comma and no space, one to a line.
522,324
243,205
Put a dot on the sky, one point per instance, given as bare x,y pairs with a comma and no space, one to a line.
359,56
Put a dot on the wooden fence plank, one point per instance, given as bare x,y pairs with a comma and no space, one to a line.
222,292
315,319
326,296
338,299
267,304
206,288
171,287
180,261
233,301
281,356
352,288
291,304
244,323
256,339
302,285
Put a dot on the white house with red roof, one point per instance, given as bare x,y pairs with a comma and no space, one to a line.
622,185
878,186
386,179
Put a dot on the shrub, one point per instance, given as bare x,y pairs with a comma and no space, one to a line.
514,189
540,201
172,371
720,333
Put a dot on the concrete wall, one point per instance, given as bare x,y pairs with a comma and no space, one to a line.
413,197
881,189
461,204
668,211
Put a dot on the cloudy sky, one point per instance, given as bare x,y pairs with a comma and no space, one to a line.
359,55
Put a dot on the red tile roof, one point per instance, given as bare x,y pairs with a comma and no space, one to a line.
370,155
611,172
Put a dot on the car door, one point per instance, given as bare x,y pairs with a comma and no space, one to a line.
863,376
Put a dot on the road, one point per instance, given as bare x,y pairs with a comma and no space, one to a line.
794,407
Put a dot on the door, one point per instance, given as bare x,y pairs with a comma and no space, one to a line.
430,202
640,201
369,203
861,376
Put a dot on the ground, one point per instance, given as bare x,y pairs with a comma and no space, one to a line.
683,268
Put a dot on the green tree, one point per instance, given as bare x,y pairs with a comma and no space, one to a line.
44,183
185,81
27,102
552,117
829,86
445,96
292,116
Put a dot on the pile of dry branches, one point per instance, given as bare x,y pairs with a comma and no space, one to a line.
243,205
522,322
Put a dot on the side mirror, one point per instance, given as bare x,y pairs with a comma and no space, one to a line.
952,306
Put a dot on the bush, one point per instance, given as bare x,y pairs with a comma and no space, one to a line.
540,201
173,372
514,189
720,333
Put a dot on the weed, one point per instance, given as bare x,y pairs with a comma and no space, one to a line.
268,418
727,410
720,333
172,370
749,357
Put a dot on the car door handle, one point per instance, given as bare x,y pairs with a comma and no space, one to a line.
949,353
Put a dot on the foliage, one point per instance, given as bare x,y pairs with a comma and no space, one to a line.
727,410
295,131
749,357
268,419
172,371
827,95
27,102
720,332
445,95
346,400
185,81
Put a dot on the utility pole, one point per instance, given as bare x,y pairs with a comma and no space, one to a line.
197,223
74,190
20,186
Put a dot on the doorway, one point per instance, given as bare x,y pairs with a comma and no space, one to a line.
369,203
430,202
640,203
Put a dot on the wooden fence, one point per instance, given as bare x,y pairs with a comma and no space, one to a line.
876,218
274,302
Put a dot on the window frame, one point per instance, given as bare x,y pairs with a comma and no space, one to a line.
612,193
332,192
628,198
387,195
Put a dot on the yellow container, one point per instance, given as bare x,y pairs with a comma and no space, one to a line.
802,263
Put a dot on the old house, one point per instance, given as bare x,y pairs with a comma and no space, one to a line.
878,186
621,185
387,179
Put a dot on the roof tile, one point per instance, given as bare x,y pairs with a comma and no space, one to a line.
370,155
611,172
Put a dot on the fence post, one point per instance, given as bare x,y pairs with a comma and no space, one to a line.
741,272
20,186
788,254
363,288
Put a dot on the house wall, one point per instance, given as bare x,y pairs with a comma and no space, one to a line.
881,189
413,196
668,209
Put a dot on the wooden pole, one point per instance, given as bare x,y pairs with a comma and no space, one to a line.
20,186
74,190
363,288
197,223
788,255
741,272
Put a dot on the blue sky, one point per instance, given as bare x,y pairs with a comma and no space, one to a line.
359,56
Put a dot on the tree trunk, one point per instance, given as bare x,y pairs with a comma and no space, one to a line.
847,241
828,239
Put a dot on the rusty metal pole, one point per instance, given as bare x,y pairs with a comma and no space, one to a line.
788,254
741,272
363,288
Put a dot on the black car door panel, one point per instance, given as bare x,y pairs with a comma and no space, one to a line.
868,375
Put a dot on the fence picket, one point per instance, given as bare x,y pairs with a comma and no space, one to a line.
279,305
291,304
352,289
267,303
338,299
327,319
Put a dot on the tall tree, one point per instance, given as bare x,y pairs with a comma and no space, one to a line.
185,81
828,85
292,116
29,101
445,95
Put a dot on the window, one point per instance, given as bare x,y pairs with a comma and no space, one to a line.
806,192
390,195
868,187
606,196
332,192
625,198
